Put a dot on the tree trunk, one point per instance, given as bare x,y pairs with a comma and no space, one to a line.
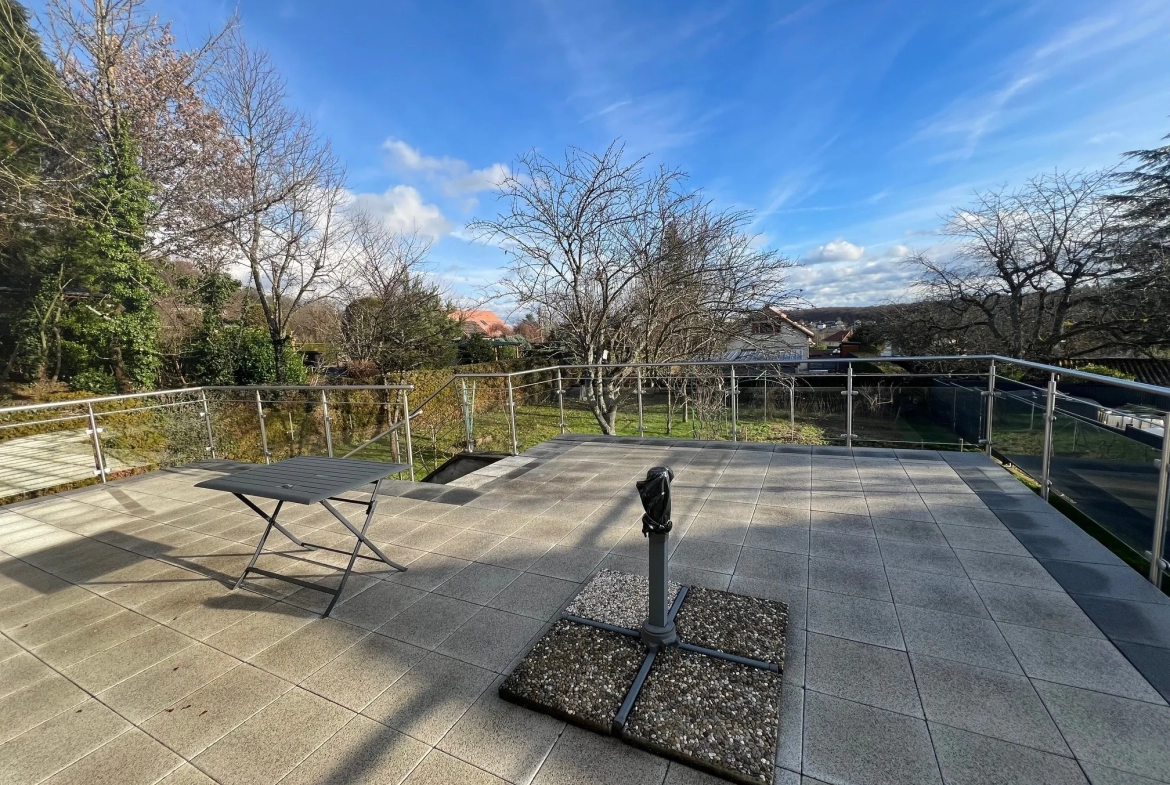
8,366
57,364
278,342
603,404
118,366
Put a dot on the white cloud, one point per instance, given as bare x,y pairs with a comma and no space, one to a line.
853,283
403,210
454,176
841,273
1104,137
839,250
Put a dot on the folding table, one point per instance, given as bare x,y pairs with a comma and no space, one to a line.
310,480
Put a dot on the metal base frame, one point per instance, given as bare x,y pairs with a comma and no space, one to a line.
619,721
360,534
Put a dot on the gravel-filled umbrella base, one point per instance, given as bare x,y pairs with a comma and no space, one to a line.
578,673
712,702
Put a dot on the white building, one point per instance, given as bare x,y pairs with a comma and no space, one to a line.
773,337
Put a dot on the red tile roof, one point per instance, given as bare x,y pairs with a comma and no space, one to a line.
486,322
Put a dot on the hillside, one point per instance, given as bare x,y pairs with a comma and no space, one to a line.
848,315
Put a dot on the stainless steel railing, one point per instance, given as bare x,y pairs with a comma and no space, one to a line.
464,407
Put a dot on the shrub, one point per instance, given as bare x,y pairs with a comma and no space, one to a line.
1105,370
94,381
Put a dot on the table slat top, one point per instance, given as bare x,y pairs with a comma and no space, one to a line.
303,480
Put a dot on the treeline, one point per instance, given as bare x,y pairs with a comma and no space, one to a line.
140,181
1067,265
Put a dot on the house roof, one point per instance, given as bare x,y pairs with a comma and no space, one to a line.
484,321
838,337
777,315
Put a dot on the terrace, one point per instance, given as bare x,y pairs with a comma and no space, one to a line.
946,623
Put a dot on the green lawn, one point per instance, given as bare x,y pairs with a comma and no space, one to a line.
535,424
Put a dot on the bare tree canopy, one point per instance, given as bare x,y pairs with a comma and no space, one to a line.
395,318
1044,271
631,264
280,214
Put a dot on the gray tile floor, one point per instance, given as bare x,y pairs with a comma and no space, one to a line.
45,460
926,644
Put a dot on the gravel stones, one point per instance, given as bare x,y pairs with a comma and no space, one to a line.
703,711
747,626
578,673
709,713
617,598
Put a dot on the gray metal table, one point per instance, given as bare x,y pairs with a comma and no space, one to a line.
309,480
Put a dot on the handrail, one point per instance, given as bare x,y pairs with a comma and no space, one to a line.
32,407
1065,372
382,435
255,387
1126,383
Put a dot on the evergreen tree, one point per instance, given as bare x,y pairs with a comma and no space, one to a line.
38,128
1147,201
119,323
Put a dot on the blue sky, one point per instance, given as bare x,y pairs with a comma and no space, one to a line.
850,127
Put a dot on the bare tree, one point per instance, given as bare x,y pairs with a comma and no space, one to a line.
280,214
631,265
1040,272
44,129
395,318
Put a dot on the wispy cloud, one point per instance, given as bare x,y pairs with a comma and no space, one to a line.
611,58
606,110
1017,91
1101,138
801,14
454,176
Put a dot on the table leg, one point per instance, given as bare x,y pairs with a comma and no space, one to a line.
361,538
272,520
263,538
361,533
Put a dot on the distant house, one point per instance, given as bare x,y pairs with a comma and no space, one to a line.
772,336
485,323
834,339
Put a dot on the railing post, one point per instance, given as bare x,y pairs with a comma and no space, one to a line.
1046,451
1161,508
94,432
328,427
734,408
466,405
669,409
406,427
990,406
561,399
849,405
512,417
641,424
207,418
765,395
263,429
792,404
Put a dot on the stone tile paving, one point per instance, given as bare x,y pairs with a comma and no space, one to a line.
32,463
945,626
